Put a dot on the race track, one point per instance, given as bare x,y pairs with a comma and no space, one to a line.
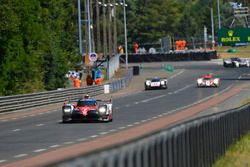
23,137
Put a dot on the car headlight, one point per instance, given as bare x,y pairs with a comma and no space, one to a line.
148,83
67,109
162,83
102,109
199,81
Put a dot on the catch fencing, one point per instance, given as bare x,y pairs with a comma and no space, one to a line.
196,143
19,102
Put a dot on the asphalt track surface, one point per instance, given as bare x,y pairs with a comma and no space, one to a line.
23,137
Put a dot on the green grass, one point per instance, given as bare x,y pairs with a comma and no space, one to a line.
245,102
238,155
242,51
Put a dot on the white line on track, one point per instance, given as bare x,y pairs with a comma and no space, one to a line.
197,102
2,160
127,105
16,130
54,146
153,98
82,139
69,142
20,155
40,125
160,115
39,150
122,127
103,133
182,89
113,130
175,75
94,136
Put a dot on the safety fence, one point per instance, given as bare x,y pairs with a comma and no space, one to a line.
19,102
195,143
174,56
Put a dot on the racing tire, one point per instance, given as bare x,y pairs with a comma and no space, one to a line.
65,121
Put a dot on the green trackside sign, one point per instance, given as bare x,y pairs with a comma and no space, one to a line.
234,35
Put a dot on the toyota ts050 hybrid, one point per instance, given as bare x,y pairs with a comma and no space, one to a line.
208,81
87,108
156,83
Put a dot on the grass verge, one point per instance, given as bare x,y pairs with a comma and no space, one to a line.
238,155
242,51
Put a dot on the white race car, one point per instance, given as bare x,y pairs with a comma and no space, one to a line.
236,62
156,83
208,81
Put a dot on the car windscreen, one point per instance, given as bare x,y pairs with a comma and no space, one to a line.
156,80
236,59
86,103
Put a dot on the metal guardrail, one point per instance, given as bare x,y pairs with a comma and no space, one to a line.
196,143
18,102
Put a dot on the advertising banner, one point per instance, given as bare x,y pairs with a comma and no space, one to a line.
234,35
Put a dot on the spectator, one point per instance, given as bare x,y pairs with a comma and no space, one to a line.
152,50
136,46
120,49
89,80
77,82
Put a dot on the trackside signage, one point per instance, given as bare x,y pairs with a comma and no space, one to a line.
234,35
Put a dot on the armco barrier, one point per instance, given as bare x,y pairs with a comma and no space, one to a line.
18,102
175,56
196,143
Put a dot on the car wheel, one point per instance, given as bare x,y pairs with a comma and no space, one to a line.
65,121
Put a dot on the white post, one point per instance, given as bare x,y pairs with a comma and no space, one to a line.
80,27
89,26
218,8
212,23
125,33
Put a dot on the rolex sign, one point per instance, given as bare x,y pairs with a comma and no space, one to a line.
234,35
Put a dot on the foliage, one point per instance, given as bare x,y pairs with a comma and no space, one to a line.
37,44
38,39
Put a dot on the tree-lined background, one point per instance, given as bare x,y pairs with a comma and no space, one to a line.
39,38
